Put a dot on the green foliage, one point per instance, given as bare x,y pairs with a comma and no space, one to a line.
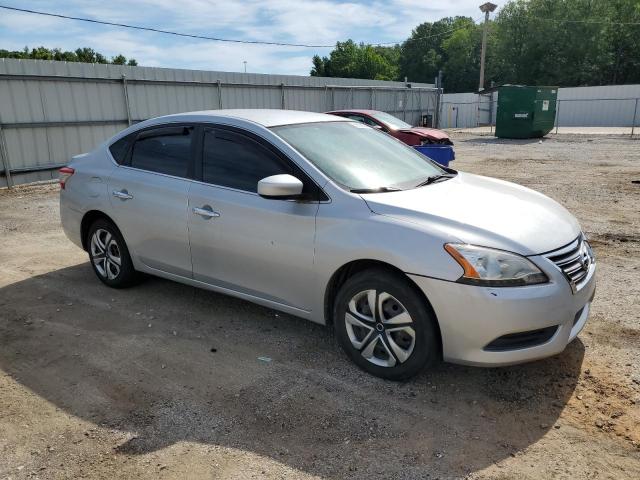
353,60
531,42
567,42
85,55
423,54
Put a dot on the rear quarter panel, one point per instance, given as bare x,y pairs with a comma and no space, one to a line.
86,190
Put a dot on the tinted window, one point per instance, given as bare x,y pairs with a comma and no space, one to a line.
368,121
120,149
362,119
165,150
234,160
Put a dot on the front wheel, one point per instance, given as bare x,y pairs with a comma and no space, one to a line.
109,255
384,325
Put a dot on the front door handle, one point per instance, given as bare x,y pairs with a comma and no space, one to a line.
122,194
205,211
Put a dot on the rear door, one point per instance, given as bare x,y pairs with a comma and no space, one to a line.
242,241
148,194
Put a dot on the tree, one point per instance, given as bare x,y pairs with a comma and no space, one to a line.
461,67
119,60
422,54
353,60
86,55
568,42
533,42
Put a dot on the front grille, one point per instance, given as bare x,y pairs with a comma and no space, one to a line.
516,341
574,260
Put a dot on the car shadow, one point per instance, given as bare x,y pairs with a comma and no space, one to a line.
166,363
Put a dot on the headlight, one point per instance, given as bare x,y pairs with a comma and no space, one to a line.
494,268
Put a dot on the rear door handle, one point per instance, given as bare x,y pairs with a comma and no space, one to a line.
206,212
122,194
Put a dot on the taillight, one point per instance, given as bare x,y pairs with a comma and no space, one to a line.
65,174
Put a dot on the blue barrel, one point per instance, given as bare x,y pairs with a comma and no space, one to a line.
443,154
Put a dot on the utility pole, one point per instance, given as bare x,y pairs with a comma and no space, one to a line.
245,66
487,8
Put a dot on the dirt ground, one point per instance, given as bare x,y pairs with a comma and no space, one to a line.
168,381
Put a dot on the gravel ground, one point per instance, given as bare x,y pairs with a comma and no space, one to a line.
166,381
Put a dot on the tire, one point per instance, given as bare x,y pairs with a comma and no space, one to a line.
400,339
106,248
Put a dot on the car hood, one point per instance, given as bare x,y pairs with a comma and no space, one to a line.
483,211
431,133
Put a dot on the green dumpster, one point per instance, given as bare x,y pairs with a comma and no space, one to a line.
525,112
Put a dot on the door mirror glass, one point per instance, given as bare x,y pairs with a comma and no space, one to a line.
280,186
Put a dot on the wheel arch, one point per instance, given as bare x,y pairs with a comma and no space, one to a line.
342,274
88,219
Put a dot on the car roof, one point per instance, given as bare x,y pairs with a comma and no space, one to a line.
264,117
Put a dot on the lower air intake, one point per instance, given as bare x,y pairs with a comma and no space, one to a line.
516,341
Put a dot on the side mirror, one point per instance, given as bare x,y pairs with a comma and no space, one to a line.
280,187
378,127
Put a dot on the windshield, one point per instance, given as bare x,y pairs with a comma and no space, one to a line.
357,156
391,121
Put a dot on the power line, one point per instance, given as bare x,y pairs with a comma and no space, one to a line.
598,22
168,32
215,39
434,35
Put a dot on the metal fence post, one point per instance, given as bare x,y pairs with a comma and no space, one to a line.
404,105
436,110
633,123
219,83
282,104
557,117
126,98
4,157
45,118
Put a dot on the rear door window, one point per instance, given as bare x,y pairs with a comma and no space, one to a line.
165,150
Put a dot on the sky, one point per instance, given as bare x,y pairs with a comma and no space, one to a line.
292,21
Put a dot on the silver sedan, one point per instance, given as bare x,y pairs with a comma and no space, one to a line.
333,221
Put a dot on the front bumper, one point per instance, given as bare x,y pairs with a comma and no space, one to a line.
471,317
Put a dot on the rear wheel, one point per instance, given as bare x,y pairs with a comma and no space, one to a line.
109,255
384,325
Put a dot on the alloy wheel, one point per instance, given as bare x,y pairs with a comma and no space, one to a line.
380,328
105,254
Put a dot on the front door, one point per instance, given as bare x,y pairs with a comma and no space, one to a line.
240,240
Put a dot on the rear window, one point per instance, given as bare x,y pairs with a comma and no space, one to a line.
120,149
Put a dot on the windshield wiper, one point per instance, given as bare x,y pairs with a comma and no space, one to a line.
435,178
374,190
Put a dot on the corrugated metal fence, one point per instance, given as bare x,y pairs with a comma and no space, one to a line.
605,106
50,111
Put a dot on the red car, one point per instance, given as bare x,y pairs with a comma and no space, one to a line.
396,127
